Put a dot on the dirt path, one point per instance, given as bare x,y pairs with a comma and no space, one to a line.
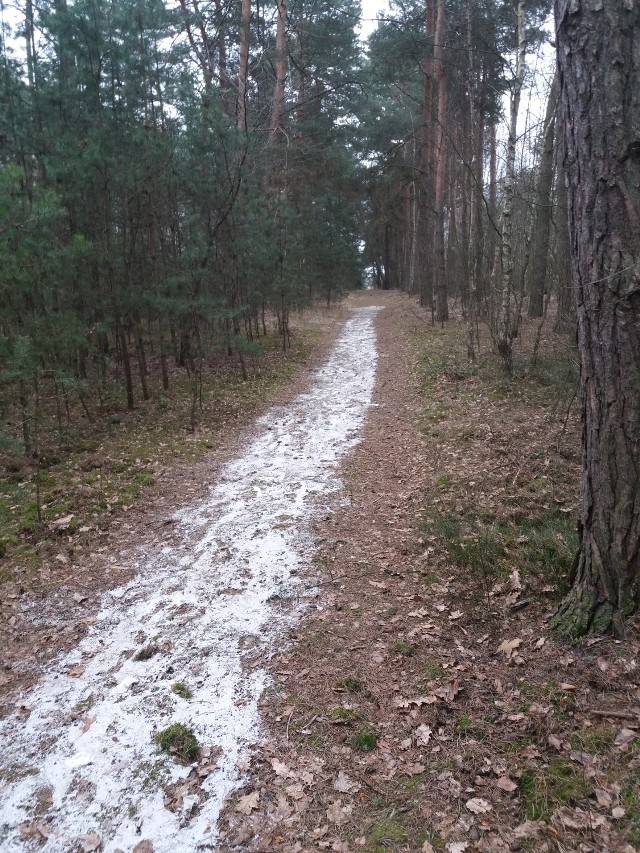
183,642
332,682
355,683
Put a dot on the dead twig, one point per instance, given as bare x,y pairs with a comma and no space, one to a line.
617,715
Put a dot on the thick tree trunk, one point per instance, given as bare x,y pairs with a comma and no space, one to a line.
601,113
542,212
281,71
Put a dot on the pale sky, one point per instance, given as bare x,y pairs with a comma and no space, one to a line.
370,8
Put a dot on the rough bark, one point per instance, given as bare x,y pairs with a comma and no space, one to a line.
427,102
542,212
505,319
243,69
281,71
601,119
424,267
566,315
476,128
442,308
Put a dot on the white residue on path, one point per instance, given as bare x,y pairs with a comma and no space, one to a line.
81,763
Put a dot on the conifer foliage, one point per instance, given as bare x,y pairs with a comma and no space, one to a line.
172,178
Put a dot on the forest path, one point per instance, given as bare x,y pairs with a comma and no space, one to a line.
185,641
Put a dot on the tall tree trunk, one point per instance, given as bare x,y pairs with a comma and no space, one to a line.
542,211
25,418
442,307
566,315
281,70
387,257
601,117
243,70
424,267
475,252
489,258
505,331
224,82
126,363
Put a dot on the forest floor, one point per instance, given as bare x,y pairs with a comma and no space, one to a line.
417,699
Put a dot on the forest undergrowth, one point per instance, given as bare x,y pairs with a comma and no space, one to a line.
91,465
428,705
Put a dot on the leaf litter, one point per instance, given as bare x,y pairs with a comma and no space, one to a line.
491,735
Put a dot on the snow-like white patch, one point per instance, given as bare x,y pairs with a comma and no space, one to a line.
87,743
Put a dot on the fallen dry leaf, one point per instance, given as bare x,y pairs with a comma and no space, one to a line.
295,791
88,722
337,813
34,830
248,803
555,742
449,691
529,830
423,735
144,846
90,842
506,784
477,805
281,769
578,819
604,798
418,701
344,784
62,523
508,646
625,738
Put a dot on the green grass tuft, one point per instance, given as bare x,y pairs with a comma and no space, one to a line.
560,783
402,647
364,741
180,742
181,689
147,652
